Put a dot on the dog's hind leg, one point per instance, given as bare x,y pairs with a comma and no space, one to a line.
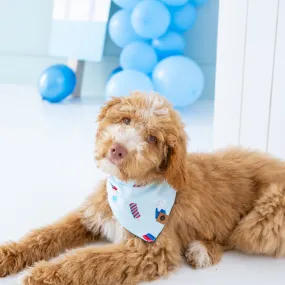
262,230
43,244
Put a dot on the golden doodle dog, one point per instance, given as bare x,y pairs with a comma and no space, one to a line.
232,199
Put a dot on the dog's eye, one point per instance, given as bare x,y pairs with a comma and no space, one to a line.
126,121
152,139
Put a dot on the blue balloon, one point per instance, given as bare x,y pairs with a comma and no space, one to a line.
182,17
121,30
198,3
114,71
126,4
169,44
138,56
56,83
150,19
174,2
127,81
179,79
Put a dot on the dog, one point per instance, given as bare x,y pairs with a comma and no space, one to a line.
232,199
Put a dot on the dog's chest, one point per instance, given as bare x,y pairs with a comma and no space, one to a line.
113,231
107,226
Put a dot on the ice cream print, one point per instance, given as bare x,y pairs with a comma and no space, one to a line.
160,213
142,210
134,210
114,187
149,238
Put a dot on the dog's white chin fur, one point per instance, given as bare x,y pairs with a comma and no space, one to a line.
108,167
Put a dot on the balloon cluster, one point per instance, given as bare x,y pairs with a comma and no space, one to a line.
150,33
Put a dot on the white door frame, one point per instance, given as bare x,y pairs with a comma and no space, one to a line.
250,84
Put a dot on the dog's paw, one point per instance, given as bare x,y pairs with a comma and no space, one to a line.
9,259
197,255
42,274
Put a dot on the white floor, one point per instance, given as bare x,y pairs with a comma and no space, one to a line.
47,168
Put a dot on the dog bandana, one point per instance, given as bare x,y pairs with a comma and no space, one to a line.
142,210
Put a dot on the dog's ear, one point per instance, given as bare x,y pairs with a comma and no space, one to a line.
175,163
166,156
114,101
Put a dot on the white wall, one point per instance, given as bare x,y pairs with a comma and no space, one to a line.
24,41
25,27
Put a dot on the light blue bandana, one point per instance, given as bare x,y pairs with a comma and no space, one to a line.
142,210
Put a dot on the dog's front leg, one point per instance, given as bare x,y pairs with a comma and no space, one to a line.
116,264
43,244
201,254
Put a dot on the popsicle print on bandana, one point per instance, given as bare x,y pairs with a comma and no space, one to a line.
134,210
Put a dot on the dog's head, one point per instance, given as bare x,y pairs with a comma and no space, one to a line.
141,138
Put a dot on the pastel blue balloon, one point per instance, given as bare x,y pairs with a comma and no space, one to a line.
126,81
182,17
174,2
114,71
150,19
121,30
126,4
198,3
169,44
179,79
56,83
138,56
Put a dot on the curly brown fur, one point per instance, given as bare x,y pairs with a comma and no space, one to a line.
232,199
43,244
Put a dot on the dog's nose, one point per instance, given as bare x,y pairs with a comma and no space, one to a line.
118,152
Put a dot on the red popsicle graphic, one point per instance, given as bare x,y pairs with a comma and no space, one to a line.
134,210
114,187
